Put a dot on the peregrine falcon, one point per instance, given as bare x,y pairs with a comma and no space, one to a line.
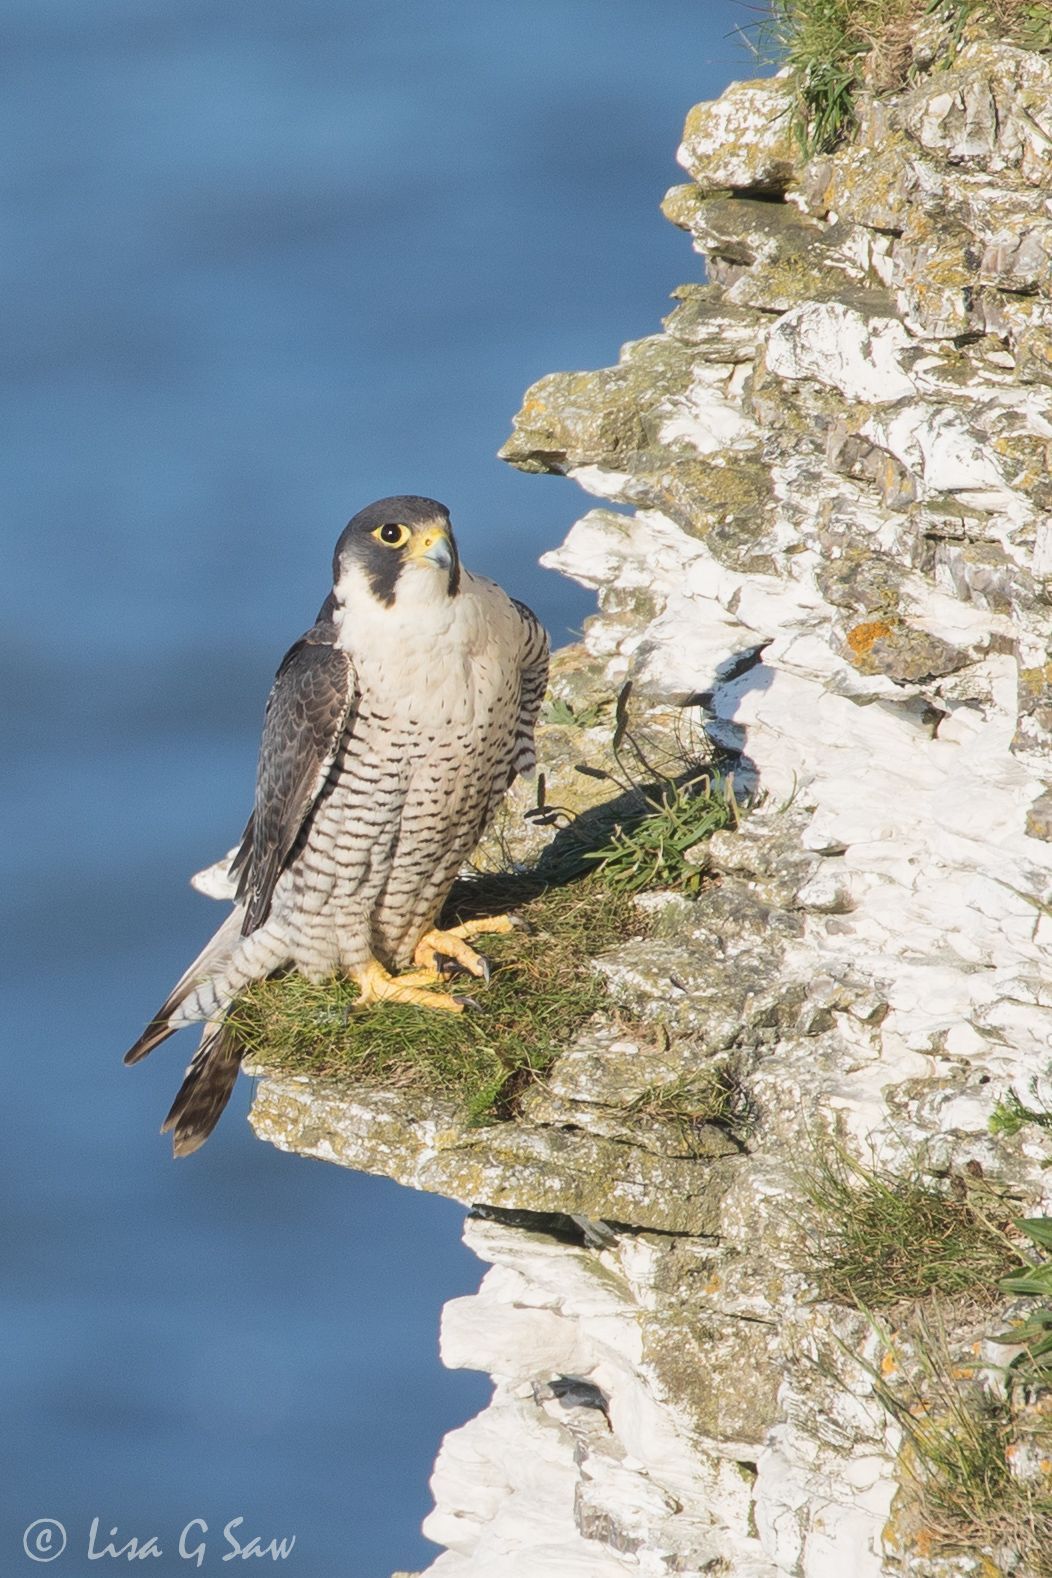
392,731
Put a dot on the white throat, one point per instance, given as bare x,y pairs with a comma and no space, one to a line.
422,612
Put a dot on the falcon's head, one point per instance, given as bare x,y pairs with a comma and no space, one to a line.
402,548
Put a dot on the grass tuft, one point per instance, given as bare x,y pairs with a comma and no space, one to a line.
834,46
975,1466
577,901
880,1238
713,1093
542,992
1012,1113
825,47
1033,1365
660,842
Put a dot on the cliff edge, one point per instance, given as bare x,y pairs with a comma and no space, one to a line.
835,571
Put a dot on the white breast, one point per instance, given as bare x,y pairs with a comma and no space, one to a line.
429,655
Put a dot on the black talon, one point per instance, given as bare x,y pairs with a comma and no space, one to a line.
449,968
467,1002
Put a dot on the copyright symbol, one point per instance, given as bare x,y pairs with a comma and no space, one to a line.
44,1540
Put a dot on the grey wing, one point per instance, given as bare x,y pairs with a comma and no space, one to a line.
310,705
533,682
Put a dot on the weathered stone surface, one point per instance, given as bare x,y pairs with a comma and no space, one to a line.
1039,816
714,329
643,432
1033,735
864,186
983,573
936,273
853,348
1033,352
769,255
515,1166
1020,259
604,419
894,647
584,1406
848,453
991,109
744,139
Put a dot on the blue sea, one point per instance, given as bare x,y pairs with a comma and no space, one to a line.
262,261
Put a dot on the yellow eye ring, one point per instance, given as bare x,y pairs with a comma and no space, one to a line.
392,535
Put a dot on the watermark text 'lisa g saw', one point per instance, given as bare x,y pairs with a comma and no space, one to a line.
46,1539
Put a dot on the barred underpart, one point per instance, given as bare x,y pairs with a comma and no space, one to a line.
392,733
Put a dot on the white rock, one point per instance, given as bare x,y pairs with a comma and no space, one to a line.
839,346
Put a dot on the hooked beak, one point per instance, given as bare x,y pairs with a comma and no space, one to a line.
433,547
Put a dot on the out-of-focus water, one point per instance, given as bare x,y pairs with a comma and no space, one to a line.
262,261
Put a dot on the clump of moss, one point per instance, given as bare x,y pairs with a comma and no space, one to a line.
541,993
880,1238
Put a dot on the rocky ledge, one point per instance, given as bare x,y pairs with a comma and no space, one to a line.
837,563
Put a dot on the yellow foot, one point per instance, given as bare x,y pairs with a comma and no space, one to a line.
377,986
452,944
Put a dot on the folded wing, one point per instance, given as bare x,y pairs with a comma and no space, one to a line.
312,702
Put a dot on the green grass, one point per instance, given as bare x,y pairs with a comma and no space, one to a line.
1033,1366
961,1444
1027,23
880,1238
1012,1113
577,900
568,716
659,843
834,46
975,1460
826,42
542,992
712,1093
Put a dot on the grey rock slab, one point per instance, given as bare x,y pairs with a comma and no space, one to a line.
510,1165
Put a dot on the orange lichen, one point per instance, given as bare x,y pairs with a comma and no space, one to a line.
924,1542
862,638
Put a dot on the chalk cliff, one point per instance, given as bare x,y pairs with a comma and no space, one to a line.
837,563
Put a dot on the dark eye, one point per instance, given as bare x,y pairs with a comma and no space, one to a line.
394,536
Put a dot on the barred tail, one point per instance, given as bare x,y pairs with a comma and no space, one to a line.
213,956
252,959
205,1091
228,963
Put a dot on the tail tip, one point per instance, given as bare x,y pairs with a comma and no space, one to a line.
204,1092
156,1031
185,1141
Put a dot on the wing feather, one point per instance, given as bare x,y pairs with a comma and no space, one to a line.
313,699
533,682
